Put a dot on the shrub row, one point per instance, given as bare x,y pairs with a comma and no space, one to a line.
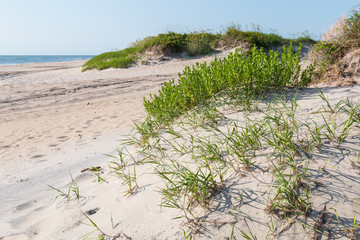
195,44
238,74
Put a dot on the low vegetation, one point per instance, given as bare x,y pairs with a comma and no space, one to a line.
234,35
198,154
193,44
116,59
246,75
197,149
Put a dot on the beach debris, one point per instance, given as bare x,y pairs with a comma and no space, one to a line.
92,169
92,211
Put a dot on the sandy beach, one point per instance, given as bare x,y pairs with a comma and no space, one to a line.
56,120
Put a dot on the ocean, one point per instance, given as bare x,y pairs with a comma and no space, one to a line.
22,59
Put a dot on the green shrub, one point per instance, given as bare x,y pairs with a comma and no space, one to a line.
115,59
169,42
237,74
199,44
194,43
259,39
262,40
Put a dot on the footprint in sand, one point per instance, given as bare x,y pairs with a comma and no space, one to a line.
38,156
63,138
43,160
25,206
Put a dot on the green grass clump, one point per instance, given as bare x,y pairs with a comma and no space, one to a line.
242,74
261,40
234,35
169,42
200,44
193,43
115,59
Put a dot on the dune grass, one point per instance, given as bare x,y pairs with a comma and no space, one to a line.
193,43
234,35
115,59
216,155
340,39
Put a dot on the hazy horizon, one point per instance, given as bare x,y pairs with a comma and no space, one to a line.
89,27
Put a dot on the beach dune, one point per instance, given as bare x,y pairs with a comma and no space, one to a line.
57,123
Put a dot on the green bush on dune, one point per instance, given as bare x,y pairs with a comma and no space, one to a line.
234,35
194,44
115,59
239,74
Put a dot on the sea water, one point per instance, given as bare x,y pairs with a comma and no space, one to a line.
22,59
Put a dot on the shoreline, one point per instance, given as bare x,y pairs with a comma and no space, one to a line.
41,59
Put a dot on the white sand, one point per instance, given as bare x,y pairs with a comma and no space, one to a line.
55,119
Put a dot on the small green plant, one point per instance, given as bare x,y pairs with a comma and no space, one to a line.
96,229
185,188
72,191
287,198
97,173
119,163
248,236
328,107
315,133
187,236
338,132
355,160
61,193
129,179
353,231
142,133
239,144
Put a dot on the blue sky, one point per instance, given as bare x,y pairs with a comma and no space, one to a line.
93,26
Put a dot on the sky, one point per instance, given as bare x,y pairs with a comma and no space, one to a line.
91,27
